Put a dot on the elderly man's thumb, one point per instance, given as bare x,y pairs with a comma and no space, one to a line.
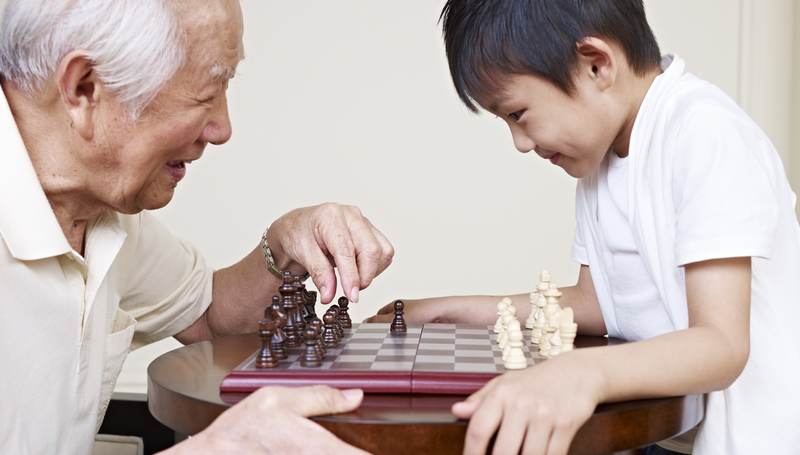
321,400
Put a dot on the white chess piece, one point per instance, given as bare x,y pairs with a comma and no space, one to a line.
568,329
513,327
544,281
502,339
550,310
555,337
515,359
532,317
541,320
501,305
511,308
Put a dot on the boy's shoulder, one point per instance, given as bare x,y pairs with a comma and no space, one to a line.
684,103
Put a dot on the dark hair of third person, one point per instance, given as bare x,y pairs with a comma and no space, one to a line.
487,40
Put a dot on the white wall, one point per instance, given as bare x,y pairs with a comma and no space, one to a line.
351,102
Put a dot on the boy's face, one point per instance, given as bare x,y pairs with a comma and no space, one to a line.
572,132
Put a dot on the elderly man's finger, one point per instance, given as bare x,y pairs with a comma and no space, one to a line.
387,251
322,273
341,248
368,253
322,400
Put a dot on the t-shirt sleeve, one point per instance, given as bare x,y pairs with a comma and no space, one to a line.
722,187
169,285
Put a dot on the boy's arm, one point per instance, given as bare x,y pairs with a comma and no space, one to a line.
551,401
482,309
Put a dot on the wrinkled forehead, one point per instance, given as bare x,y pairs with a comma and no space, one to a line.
213,23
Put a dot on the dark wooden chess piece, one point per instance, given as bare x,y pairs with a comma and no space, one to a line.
311,357
328,334
298,315
311,301
344,317
275,313
266,358
316,323
398,324
286,290
336,323
302,304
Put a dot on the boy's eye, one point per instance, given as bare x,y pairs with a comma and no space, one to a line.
515,115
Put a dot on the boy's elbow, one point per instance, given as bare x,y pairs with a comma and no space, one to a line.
737,357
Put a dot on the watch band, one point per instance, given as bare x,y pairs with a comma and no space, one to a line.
271,260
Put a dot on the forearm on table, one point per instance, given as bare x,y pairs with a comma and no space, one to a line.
692,361
482,309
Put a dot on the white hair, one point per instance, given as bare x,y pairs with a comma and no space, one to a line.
136,46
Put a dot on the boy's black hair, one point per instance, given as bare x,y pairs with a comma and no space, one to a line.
487,40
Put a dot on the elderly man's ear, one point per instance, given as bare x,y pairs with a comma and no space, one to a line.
80,91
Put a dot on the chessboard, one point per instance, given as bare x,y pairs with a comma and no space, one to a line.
298,348
428,358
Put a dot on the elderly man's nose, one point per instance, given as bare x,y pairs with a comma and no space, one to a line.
218,130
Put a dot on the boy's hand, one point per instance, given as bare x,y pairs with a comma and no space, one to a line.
534,411
476,309
415,311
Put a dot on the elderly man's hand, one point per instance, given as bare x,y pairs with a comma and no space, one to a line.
273,420
317,239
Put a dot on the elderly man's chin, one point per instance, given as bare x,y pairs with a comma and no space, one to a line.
150,199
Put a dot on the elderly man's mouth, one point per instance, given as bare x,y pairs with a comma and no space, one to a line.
177,169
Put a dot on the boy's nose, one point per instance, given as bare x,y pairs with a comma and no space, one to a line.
522,142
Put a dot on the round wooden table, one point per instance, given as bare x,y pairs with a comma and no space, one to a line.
183,394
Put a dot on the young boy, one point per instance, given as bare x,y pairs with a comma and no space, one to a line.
687,237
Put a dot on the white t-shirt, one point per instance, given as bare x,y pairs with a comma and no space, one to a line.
704,182
67,322
634,294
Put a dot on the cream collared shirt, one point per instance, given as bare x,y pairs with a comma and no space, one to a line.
67,322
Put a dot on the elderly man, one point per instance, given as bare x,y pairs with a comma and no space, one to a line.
105,103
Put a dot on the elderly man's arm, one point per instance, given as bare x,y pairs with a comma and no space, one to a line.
312,239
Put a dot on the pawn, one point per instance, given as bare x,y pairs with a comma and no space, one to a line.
398,324
503,338
328,333
515,359
316,324
532,317
275,313
541,319
498,326
337,324
311,357
510,306
332,311
266,357
344,317
513,326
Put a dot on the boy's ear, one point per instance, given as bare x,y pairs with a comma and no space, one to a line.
78,87
598,62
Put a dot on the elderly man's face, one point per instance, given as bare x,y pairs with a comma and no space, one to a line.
146,160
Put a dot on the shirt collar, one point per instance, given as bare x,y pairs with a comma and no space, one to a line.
27,222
